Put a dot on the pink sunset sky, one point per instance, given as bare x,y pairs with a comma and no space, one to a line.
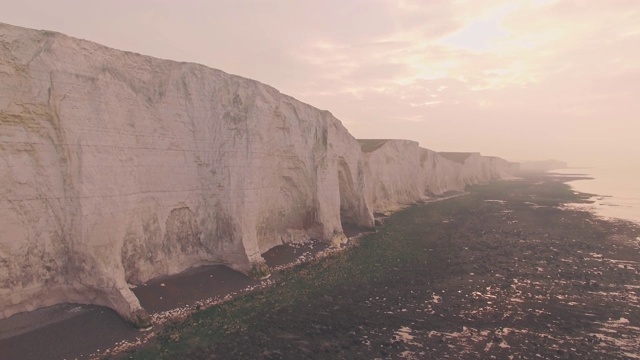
520,79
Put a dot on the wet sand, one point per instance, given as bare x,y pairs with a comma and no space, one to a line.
69,331
190,286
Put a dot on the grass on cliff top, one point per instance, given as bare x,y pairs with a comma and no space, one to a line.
396,248
369,145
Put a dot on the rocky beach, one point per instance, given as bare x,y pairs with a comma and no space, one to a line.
510,270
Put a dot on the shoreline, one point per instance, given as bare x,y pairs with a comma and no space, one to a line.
279,260
609,201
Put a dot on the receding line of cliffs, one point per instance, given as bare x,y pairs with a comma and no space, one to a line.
118,168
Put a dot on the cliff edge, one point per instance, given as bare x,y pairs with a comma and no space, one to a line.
118,168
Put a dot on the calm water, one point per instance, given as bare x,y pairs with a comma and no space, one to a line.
618,190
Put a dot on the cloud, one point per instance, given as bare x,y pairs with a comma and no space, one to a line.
516,78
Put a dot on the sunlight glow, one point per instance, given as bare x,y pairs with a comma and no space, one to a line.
477,36
482,31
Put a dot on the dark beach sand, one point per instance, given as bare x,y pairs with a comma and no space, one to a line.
193,285
283,255
70,331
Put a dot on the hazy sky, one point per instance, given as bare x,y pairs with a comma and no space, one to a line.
520,79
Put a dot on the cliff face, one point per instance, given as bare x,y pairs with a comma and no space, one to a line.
392,172
501,168
478,169
440,175
399,172
118,168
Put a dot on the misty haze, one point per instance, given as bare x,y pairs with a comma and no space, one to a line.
280,179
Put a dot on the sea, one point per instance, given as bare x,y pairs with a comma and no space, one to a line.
616,190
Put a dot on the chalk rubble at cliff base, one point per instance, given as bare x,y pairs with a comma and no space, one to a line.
118,168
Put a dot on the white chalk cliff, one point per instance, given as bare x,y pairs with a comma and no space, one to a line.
440,174
478,169
118,168
399,172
